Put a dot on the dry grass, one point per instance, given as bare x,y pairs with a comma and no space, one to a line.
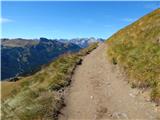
35,97
137,49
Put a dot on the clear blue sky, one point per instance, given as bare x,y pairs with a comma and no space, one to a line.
69,19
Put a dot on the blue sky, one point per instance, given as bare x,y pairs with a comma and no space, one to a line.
69,19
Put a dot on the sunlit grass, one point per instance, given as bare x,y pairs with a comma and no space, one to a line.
137,49
35,97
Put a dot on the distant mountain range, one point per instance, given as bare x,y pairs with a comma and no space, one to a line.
21,56
82,42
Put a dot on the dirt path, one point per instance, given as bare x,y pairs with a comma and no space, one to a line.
99,91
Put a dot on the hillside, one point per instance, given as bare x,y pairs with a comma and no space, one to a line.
40,96
21,56
137,49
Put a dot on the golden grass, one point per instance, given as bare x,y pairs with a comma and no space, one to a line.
137,49
36,97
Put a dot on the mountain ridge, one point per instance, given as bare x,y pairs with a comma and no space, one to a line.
23,57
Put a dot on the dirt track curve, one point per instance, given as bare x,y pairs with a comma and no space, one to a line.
99,91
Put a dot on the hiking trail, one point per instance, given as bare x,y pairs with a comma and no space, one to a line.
100,91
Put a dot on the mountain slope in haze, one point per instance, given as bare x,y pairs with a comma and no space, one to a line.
84,42
137,48
18,42
21,56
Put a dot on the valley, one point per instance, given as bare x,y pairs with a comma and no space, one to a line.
24,57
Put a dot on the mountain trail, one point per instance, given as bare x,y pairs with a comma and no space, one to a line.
99,91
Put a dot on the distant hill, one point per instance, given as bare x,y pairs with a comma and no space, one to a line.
18,42
137,48
20,56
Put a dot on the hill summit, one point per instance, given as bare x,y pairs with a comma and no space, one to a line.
145,29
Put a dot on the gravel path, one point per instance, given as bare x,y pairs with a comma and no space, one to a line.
99,91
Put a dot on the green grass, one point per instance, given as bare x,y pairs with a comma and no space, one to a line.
137,49
36,97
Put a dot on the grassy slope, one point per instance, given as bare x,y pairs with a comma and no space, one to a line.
137,49
37,96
